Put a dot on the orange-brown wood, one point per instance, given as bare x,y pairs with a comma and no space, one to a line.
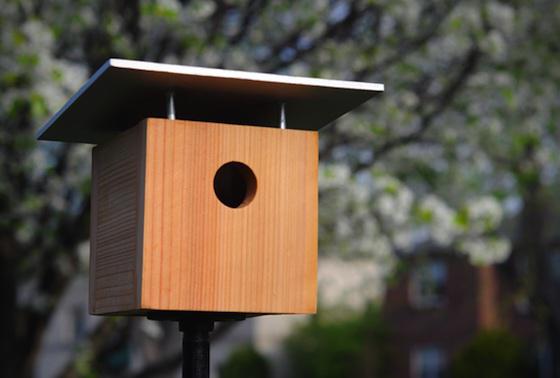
194,253
116,228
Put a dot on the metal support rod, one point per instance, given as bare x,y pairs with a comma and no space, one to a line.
283,116
170,106
196,328
196,347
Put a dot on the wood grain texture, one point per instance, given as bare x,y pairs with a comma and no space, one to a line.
116,227
202,255
193,253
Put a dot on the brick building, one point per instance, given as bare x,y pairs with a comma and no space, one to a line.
437,305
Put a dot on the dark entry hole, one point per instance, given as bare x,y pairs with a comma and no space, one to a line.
235,184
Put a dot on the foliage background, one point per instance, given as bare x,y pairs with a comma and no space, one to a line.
494,353
460,151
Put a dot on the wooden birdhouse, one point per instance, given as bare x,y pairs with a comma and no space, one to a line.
204,185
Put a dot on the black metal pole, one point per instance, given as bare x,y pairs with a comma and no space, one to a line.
196,327
196,347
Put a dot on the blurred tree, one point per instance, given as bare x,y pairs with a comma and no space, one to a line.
493,354
461,150
245,362
352,346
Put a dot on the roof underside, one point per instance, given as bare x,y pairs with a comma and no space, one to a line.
123,92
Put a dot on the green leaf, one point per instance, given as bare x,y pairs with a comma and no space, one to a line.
462,217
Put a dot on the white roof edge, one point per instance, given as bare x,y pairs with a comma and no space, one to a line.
239,75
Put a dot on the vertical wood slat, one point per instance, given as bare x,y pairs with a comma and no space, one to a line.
117,203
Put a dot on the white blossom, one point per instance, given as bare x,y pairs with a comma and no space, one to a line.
393,200
349,284
485,214
484,251
441,220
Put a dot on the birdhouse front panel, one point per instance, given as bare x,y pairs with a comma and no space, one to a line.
226,219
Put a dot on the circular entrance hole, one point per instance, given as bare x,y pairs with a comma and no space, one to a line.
235,184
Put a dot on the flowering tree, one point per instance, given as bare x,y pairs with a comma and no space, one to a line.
461,150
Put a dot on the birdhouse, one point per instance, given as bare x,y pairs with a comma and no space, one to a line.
204,185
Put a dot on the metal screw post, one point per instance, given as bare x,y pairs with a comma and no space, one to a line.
283,116
170,106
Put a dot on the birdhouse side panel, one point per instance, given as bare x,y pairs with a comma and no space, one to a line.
116,232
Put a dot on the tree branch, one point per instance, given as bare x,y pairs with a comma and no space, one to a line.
272,64
409,45
444,99
251,11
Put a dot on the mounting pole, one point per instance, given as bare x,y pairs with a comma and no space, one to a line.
170,106
196,328
196,347
283,116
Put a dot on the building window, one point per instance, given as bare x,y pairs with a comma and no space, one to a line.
427,285
427,362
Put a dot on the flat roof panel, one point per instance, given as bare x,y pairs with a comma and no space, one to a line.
123,92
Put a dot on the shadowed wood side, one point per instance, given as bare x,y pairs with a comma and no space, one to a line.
117,205
201,255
